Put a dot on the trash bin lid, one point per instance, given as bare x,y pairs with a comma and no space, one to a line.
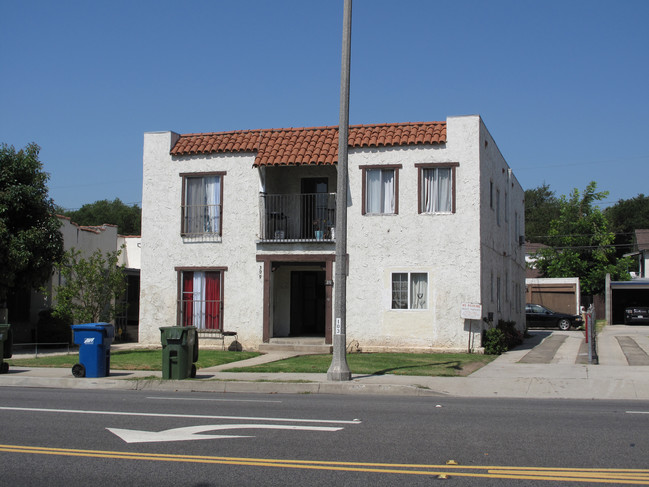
107,328
172,332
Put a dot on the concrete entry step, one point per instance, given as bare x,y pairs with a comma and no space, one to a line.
306,345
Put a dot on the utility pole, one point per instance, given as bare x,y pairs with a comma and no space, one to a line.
339,370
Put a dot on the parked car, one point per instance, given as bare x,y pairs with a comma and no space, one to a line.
636,314
540,316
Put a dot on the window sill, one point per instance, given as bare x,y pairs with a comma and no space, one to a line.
205,237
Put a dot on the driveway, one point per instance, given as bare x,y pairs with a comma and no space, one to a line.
616,345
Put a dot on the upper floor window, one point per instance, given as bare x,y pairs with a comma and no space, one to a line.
491,194
437,188
381,189
498,207
202,207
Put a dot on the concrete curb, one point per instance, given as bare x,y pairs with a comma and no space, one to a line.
220,386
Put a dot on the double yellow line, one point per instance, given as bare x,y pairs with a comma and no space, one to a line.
590,475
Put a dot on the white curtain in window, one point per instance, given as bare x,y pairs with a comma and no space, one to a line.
437,191
202,205
198,307
379,191
418,291
373,191
194,201
388,190
445,191
213,202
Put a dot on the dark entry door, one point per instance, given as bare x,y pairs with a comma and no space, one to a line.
308,303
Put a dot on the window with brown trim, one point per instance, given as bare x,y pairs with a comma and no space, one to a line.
202,207
380,190
436,187
200,298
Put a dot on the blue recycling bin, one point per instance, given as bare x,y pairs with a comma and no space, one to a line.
94,341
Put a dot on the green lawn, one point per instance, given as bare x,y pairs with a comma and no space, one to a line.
423,364
135,359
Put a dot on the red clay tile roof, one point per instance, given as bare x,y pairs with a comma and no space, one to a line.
312,145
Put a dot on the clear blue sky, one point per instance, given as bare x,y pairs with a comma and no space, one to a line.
563,86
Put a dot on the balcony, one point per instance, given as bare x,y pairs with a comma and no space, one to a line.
286,218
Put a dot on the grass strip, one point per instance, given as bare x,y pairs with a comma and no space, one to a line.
135,359
422,364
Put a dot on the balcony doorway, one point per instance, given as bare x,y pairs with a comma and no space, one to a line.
315,207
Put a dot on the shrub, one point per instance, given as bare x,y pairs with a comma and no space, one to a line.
501,338
513,337
494,341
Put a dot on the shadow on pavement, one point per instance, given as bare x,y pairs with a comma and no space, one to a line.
536,337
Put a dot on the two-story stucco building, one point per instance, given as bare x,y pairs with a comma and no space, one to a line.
238,234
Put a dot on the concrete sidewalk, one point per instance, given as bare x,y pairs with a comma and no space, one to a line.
545,366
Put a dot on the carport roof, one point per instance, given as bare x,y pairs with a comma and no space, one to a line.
632,284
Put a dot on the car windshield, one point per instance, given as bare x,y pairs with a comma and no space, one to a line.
537,308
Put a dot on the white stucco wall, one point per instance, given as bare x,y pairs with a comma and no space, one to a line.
131,255
164,249
446,246
502,255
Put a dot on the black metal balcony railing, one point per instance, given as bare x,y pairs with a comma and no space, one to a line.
297,217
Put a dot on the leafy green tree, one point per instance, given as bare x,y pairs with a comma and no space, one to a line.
626,216
30,237
581,243
541,207
90,287
127,218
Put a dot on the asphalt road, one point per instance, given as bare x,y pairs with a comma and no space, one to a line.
100,438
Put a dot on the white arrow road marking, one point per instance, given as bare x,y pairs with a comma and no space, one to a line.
191,432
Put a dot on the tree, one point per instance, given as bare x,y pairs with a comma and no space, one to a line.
90,287
581,243
541,207
30,239
626,216
127,218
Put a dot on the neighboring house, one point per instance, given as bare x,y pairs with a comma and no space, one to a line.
641,252
531,249
238,235
26,310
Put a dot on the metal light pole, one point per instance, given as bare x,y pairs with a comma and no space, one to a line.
339,370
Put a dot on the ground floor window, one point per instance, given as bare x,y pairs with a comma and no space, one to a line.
409,290
201,303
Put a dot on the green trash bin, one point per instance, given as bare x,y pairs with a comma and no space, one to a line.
179,351
6,345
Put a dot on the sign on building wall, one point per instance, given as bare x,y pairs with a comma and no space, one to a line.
471,311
